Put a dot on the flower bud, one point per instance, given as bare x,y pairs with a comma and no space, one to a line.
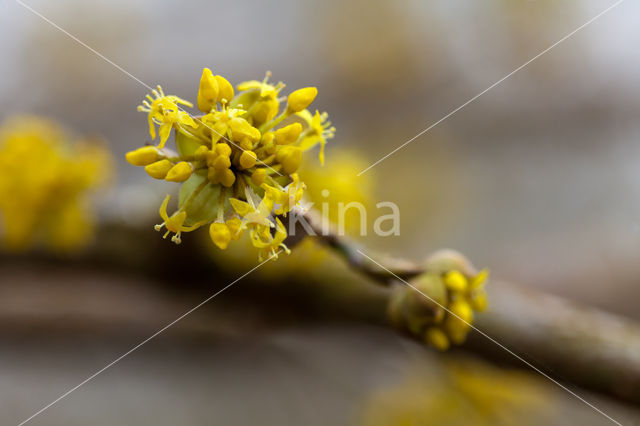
143,156
180,172
246,145
265,110
220,234
427,296
259,176
455,281
458,322
159,169
247,159
227,178
437,338
290,158
479,300
288,134
222,162
223,149
225,89
301,99
208,91
201,152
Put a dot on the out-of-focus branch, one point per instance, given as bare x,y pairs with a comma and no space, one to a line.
570,342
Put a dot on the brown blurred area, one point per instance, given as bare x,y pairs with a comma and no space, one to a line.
538,179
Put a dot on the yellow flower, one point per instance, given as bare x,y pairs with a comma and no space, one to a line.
333,184
236,163
174,223
44,180
252,215
263,98
166,113
269,244
318,130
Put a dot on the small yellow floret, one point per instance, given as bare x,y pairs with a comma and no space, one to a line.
180,172
159,169
143,156
220,234
208,91
288,134
301,99
248,159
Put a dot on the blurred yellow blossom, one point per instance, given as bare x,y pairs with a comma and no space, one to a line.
439,305
335,183
45,178
460,391
237,163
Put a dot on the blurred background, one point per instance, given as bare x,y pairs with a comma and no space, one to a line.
537,179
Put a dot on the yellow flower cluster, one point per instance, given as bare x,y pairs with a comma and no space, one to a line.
44,180
237,163
439,305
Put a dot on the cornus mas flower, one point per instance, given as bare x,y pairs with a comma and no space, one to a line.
237,162
45,178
